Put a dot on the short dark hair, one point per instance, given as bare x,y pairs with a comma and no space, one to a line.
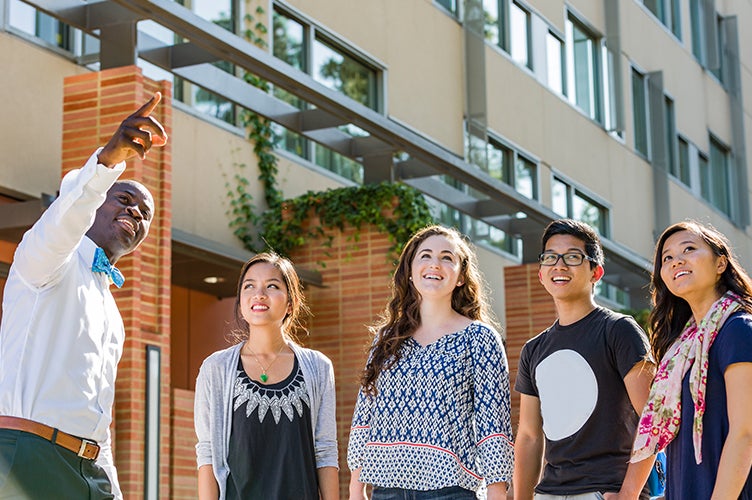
579,230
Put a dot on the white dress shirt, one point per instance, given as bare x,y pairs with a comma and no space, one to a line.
62,334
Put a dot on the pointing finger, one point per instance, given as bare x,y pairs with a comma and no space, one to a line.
147,108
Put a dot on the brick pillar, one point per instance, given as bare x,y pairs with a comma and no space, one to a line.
94,105
530,310
356,289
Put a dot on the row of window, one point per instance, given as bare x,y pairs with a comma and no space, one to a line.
710,172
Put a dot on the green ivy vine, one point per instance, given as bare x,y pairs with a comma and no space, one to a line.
396,209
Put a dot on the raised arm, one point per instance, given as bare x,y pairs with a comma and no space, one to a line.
135,136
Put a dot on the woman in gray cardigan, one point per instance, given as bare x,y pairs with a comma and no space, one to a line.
265,407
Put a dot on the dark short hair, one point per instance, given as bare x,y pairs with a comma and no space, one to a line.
579,230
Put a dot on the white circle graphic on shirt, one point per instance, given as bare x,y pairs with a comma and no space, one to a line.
568,391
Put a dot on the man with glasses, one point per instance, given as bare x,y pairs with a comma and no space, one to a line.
583,381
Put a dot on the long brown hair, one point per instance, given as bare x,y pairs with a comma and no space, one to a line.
671,313
402,315
292,324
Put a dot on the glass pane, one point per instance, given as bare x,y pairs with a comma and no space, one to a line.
587,212
670,137
639,110
450,5
217,11
524,177
342,73
210,103
559,201
497,158
491,14
340,165
698,32
581,69
676,18
656,7
554,58
23,16
684,161
718,72
704,177
720,182
288,41
476,151
519,31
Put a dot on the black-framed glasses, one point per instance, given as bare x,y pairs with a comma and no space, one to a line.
570,258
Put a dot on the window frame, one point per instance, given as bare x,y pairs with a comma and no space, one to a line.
313,34
595,87
572,190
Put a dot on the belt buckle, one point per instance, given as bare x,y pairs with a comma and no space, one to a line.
82,450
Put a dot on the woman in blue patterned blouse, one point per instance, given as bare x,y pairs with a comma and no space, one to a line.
432,419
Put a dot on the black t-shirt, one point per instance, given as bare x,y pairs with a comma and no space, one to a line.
577,371
271,452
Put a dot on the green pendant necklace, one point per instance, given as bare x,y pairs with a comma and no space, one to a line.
264,377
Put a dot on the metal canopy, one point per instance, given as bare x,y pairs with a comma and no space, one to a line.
498,204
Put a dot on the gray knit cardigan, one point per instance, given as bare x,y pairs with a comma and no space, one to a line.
213,408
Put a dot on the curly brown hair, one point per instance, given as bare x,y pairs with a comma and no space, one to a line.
670,313
292,324
402,314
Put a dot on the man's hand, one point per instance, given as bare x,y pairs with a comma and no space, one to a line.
135,136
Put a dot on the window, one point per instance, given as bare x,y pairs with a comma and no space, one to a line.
507,25
640,112
452,6
718,71
707,47
670,135
697,20
667,12
26,19
583,69
519,30
505,164
222,13
307,48
683,173
477,230
718,177
704,169
568,201
555,61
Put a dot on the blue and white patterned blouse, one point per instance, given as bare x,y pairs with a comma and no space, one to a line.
441,416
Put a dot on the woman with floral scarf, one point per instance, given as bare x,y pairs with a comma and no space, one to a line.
700,409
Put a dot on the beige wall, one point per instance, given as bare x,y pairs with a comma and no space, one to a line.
32,90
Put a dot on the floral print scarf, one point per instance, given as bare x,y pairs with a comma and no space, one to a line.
661,417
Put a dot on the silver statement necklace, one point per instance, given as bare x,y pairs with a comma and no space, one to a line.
264,377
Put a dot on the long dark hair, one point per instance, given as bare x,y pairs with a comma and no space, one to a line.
402,315
292,324
670,313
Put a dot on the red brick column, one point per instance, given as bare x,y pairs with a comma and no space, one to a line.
356,289
94,105
530,310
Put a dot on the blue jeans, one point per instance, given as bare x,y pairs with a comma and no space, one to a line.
450,493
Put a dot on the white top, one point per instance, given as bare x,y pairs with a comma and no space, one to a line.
62,335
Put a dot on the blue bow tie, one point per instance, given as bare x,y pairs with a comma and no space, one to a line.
102,264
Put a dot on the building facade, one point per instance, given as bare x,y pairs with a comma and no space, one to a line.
627,114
